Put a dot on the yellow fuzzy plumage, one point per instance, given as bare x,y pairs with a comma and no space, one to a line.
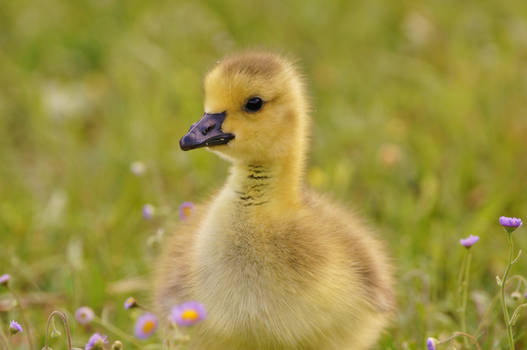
277,266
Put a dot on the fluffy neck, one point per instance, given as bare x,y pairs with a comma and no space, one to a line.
274,182
260,186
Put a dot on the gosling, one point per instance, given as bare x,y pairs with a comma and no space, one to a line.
277,266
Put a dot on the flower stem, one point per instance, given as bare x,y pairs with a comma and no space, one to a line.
462,272
520,279
464,295
24,318
117,332
516,312
486,318
4,339
66,327
502,295
464,335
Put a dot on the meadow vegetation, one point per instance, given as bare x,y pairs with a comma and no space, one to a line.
420,124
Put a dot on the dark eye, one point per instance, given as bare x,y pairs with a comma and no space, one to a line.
254,104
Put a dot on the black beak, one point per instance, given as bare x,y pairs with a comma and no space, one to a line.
207,132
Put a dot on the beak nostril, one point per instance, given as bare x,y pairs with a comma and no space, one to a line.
208,129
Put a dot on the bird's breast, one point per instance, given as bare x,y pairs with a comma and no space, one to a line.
253,277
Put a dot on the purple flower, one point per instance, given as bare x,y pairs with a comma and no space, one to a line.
145,326
525,295
96,342
148,211
188,314
185,210
510,224
84,315
15,327
431,344
4,279
469,241
130,303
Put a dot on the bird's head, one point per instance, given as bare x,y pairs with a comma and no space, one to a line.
255,110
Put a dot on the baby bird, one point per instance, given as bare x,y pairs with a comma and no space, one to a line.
277,266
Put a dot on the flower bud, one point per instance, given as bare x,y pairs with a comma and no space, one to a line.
148,211
516,296
117,345
4,279
431,343
130,303
15,327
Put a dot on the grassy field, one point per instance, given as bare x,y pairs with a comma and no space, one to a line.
420,124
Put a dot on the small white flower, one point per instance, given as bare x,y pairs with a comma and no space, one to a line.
138,168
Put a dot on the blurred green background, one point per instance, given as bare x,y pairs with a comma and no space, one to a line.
420,124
